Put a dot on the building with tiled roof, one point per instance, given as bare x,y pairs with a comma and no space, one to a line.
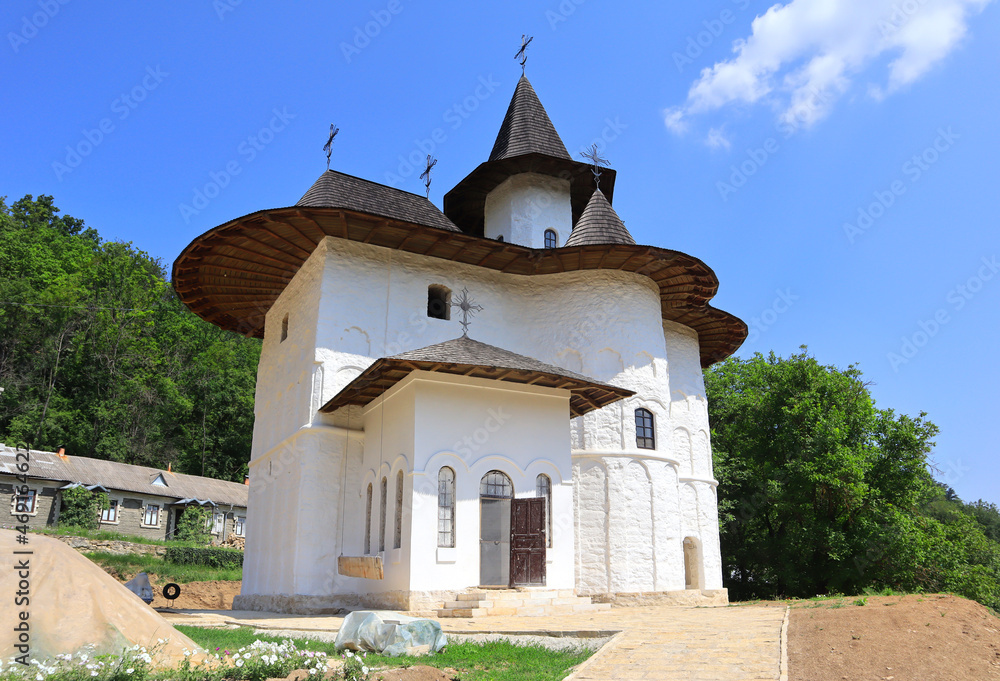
143,501
401,457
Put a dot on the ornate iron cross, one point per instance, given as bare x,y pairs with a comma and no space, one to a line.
596,161
328,147
468,309
522,53
426,175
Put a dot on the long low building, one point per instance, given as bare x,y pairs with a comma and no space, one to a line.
144,502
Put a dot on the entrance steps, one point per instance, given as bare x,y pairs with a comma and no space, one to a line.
519,602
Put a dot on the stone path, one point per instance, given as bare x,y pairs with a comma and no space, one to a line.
740,643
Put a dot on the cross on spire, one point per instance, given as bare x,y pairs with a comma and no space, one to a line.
522,53
328,147
468,309
426,175
596,160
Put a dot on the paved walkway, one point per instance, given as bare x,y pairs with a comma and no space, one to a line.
668,642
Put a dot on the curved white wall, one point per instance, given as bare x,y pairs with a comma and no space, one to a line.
523,206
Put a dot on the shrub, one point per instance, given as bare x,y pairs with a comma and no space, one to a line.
81,507
209,556
193,524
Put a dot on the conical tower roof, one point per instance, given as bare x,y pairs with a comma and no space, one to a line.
527,129
599,224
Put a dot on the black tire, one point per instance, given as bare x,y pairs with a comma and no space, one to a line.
171,591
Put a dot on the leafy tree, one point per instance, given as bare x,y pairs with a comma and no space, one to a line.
81,507
820,491
193,524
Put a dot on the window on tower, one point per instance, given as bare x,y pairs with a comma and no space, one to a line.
284,328
551,238
645,437
438,301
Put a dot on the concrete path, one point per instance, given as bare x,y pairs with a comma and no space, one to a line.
737,643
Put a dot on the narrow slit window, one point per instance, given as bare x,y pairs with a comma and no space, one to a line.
368,522
438,302
551,238
645,437
446,508
397,541
543,490
284,328
381,525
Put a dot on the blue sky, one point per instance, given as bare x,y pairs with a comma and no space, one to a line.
835,163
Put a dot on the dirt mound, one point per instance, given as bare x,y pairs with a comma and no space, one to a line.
71,603
196,595
893,637
417,673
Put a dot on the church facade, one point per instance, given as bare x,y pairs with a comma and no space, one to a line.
559,440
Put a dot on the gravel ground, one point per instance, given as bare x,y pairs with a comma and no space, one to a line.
550,642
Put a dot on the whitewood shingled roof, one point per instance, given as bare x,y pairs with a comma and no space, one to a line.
124,477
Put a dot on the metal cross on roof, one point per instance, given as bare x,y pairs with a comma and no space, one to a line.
522,53
328,147
426,175
597,161
468,309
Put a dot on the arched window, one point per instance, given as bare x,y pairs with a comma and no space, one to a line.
438,301
381,526
496,485
446,508
500,238
551,238
368,522
645,437
543,490
398,540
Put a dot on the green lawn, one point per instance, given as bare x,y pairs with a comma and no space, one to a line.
108,535
499,660
131,564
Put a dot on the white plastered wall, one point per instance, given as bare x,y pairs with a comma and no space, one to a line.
523,206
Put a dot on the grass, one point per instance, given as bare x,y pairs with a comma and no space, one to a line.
129,565
501,660
109,535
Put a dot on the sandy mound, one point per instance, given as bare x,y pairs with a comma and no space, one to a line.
72,603
196,595
893,637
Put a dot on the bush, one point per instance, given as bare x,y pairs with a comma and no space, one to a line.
81,507
209,556
193,524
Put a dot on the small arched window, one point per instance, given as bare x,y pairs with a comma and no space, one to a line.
645,437
500,238
368,522
446,508
438,302
397,541
381,526
496,485
543,490
551,238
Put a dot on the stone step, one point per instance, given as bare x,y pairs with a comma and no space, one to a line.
462,612
526,608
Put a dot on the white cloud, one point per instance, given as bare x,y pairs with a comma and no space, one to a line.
717,138
801,56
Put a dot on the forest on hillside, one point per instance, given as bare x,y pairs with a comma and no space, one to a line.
97,353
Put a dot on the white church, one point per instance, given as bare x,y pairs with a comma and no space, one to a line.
500,400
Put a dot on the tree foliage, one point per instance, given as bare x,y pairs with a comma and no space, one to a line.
821,492
98,354
81,508
193,524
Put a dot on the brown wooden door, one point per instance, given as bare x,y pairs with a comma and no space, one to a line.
527,542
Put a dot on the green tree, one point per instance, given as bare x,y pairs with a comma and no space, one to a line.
82,508
820,491
193,524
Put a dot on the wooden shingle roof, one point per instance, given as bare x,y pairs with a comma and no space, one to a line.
527,129
599,224
467,357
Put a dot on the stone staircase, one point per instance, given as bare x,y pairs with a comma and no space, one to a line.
519,602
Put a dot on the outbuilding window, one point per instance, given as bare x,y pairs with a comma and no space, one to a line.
645,437
152,515
110,514
25,503
438,302
551,238
240,527
446,508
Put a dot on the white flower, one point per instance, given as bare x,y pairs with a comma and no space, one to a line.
350,654
364,670
93,673
239,663
130,670
39,677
